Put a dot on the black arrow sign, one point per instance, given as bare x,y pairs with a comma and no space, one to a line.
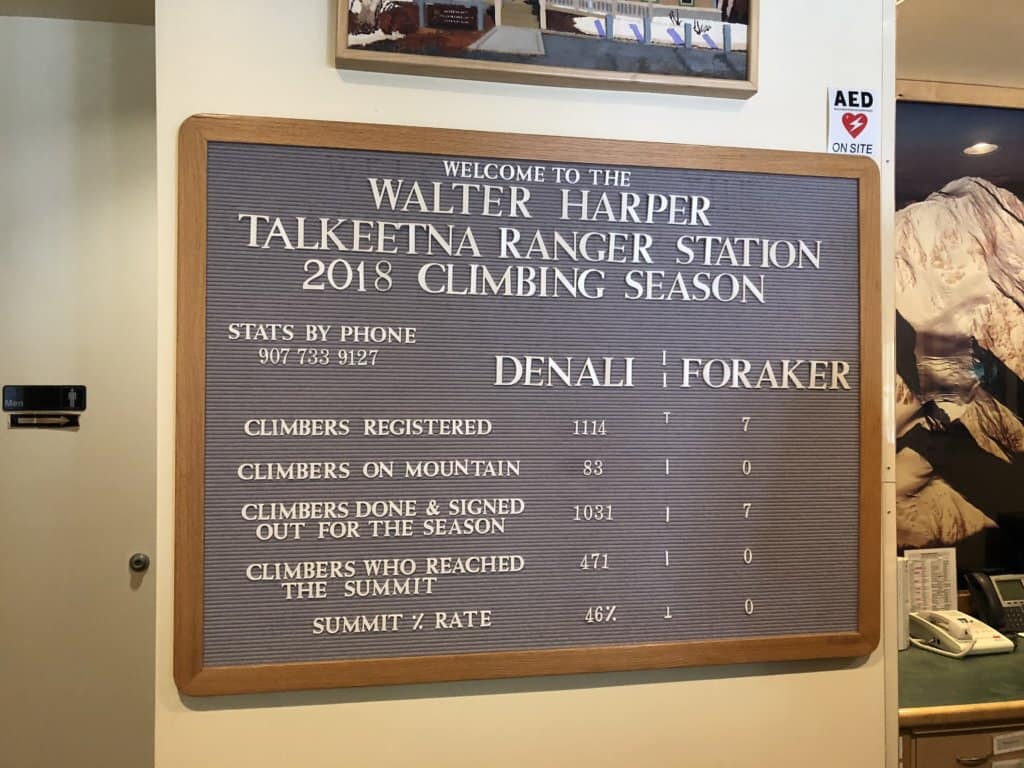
45,420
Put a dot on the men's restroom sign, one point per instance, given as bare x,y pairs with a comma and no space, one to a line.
854,122
43,397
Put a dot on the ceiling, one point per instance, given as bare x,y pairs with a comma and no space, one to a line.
961,41
123,11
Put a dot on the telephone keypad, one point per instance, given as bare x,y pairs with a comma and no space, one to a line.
1014,618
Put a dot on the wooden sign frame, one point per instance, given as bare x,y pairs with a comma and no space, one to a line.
194,677
347,57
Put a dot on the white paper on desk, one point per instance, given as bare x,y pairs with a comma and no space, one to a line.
902,604
1009,764
932,579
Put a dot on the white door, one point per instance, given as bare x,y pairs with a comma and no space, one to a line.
77,306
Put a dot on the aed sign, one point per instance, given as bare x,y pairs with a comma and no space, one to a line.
854,122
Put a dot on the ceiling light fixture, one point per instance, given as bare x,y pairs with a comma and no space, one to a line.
981,148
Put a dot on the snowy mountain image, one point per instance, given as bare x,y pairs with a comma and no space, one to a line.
960,359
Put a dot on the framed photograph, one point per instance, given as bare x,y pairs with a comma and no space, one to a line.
706,47
959,247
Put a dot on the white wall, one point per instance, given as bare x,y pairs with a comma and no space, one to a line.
274,57
77,291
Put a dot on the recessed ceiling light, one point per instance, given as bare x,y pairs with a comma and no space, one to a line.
981,148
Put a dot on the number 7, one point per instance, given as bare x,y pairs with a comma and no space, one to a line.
746,423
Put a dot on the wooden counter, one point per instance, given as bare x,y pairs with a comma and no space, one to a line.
940,691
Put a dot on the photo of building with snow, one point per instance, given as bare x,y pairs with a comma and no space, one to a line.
959,278
693,38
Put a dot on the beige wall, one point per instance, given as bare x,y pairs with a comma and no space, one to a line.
273,57
119,11
77,292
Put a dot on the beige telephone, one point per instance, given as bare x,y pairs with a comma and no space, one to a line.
955,634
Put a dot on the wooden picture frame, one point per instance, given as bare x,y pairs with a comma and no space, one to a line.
195,677
703,30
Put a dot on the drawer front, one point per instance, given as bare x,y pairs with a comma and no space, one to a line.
964,750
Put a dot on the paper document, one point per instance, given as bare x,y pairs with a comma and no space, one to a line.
903,603
1008,742
932,579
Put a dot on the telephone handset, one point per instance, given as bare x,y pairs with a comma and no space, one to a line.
955,634
998,599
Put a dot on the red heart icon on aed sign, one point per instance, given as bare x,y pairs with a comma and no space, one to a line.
855,123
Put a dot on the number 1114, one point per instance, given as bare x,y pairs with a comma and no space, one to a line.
589,427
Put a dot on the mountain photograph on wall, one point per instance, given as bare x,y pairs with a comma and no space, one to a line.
687,38
959,281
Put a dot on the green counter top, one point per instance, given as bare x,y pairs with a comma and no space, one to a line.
974,684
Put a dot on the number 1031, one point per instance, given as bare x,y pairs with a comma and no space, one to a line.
592,512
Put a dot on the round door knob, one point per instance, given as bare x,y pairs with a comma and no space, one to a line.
139,562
